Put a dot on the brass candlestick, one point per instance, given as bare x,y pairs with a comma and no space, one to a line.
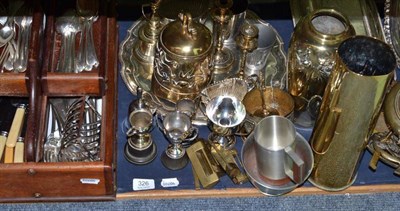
223,57
247,42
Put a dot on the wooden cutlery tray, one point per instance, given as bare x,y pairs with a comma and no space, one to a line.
35,180
17,83
87,82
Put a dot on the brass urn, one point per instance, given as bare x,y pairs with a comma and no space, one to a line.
311,56
182,60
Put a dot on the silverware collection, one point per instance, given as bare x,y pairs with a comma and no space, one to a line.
15,30
218,65
74,26
74,130
78,24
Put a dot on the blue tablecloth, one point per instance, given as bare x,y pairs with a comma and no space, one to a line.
155,170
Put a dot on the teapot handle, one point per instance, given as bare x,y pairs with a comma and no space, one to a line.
193,134
153,6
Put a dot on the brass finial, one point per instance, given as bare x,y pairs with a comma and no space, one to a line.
187,26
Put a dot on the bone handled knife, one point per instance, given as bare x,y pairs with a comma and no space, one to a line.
3,139
19,151
16,126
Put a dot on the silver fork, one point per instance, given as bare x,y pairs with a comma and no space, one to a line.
53,141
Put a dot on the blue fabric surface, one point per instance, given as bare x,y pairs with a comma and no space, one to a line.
155,170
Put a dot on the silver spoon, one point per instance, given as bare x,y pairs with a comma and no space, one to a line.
68,26
87,10
6,31
24,24
6,40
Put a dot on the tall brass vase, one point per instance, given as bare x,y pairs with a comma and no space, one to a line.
350,107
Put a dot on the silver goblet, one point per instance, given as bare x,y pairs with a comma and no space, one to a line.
177,127
225,113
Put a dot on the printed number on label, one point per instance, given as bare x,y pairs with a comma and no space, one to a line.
143,184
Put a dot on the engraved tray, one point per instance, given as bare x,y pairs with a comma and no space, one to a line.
392,26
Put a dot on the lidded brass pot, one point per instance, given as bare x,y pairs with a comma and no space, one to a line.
311,56
182,60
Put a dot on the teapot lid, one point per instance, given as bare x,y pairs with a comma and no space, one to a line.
186,38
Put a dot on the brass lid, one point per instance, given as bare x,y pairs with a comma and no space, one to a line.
186,38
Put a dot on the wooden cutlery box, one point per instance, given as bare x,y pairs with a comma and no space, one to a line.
33,179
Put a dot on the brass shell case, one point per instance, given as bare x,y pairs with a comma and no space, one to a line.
349,111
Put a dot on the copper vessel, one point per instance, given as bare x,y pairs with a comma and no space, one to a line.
385,145
267,101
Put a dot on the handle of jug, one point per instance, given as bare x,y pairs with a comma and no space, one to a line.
294,166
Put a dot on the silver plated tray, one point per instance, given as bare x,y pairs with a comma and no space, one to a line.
131,69
392,26
362,14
